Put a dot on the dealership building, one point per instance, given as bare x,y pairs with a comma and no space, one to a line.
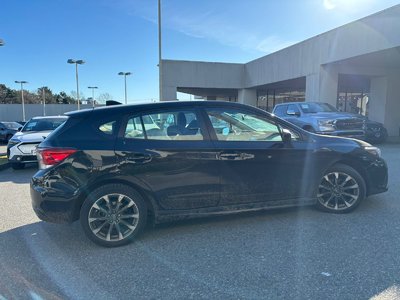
355,67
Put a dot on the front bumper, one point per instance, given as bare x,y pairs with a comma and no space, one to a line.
356,134
377,177
22,153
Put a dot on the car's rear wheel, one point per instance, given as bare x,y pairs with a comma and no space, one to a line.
341,189
17,166
113,215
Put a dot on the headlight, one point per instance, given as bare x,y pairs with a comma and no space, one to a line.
373,150
12,142
326,125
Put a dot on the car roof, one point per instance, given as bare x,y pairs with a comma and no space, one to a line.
157,105
298,102
49,117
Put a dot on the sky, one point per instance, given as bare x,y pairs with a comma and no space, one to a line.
122,35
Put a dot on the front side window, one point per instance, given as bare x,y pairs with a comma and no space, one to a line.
233,125
174,125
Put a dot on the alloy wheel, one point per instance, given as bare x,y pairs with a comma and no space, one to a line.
113,217
338,191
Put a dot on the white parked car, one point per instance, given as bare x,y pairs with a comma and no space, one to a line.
21,148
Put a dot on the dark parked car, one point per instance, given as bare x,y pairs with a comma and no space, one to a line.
375,132
8,129
110,169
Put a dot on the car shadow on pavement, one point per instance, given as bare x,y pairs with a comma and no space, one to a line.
54,261
18,176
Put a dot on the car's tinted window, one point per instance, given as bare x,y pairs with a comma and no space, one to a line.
171,125
280,110
12,125
235,125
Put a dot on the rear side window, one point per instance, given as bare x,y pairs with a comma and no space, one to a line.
134,129
108,128
171,125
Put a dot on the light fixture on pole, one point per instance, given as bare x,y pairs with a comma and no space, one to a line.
22,82
125,74
1,42
76,62
92,88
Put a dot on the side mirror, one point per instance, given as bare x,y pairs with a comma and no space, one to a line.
293,113
19,129
286,137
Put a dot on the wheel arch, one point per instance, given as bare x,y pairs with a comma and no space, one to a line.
356,166
146,194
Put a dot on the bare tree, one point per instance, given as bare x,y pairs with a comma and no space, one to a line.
102,98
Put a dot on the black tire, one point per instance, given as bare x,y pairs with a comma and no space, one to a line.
17,166
343,199
113,236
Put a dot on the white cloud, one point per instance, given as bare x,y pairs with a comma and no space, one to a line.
214,25
328,4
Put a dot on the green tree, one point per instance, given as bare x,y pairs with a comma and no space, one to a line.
8,95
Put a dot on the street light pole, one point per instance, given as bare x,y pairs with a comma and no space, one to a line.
125,74
92,88
76,62
159,52
22,82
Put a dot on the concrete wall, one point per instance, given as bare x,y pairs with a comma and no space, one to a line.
371,34
13,112
199,74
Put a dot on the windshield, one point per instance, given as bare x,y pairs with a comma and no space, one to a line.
47,124
12,125
312,107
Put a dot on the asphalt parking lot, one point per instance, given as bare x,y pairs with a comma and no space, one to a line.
281,254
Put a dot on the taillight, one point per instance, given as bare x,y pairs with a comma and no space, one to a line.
52,156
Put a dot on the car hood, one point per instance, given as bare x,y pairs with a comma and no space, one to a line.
31,136
335,115
328,140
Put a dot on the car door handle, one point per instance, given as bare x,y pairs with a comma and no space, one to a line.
229,156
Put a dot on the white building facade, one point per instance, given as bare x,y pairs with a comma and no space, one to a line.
355,67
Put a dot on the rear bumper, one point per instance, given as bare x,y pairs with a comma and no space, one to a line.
53,207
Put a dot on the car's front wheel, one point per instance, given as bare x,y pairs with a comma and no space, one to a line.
113,215
341,189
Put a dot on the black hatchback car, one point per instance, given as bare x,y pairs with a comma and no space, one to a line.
115,167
